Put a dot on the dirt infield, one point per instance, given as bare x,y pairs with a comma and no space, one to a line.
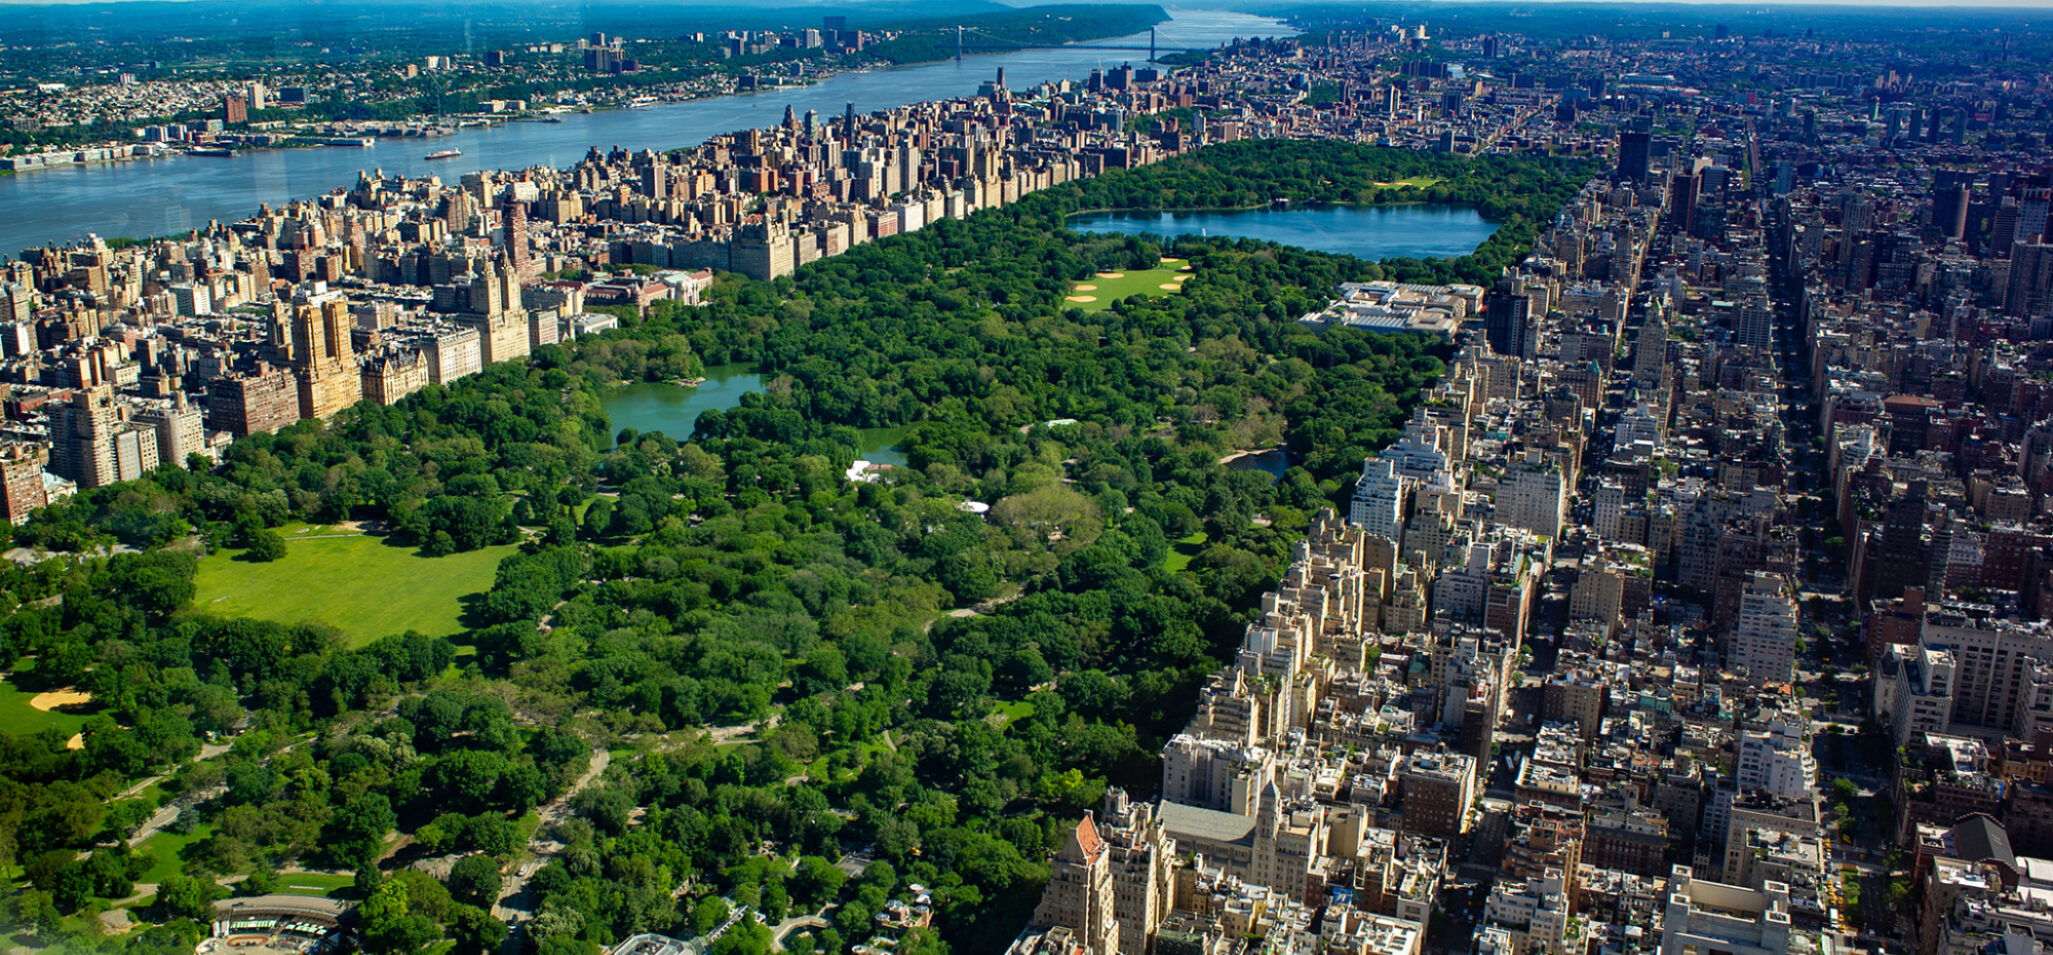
52,699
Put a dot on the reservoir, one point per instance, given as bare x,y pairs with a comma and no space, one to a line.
154,197
1413,230
649,406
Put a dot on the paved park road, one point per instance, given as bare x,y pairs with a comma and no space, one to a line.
514,907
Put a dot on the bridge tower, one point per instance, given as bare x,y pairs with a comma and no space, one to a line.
958,43
1151,44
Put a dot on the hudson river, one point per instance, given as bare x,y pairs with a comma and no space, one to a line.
148,198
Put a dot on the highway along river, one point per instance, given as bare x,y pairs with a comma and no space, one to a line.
154,197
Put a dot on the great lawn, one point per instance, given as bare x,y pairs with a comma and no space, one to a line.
1100,291
356,583
1421,182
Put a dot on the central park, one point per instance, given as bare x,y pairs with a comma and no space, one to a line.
776,662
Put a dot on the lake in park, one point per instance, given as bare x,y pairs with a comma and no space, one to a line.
1414,230
1273,462
660,406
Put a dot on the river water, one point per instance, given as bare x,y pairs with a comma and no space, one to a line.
174,194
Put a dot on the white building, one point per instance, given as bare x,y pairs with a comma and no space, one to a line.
1703,916
1764,639
452,354
1421,448
1535,915
1533,495
1214,773
1914,690
1777,760
1379,498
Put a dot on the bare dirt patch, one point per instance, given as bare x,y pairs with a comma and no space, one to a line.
52,699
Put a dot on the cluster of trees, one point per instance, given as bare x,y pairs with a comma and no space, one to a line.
730,578
449,468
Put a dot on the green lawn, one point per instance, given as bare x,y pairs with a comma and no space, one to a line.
359,585
1181,552
17,716
1419,181
313,883
1012,711
1102,291
164,848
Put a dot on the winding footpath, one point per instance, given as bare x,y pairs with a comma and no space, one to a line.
515,906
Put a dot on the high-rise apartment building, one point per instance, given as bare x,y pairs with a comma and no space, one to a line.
1764,637
1437,791
181,429
1777,760
1379,499
1533,495
1079,895
21,481
1993,657
82,436
262,402
1635,155
2030,292
323,358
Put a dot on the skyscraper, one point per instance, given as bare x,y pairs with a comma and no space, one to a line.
1507,323
493,307
2033,205
1754,326
2031,279
1949,210
517,237
323,358
1635,153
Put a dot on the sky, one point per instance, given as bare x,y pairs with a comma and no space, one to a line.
1243,5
